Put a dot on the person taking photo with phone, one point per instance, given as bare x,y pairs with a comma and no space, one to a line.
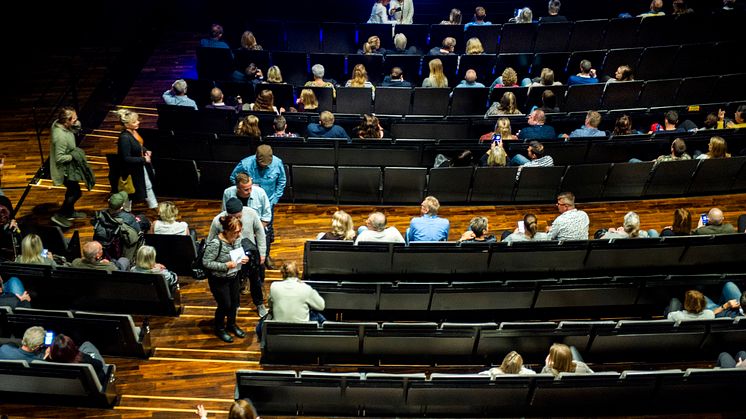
712,223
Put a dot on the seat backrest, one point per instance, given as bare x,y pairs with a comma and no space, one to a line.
587,35
404,184
621,95
617,57
373,64
469,101
430,101
621,32
583,97
339,37
450,184
671,178
354,100
552,36
659,93
314,183
393,100
359,184
493,184
175,252
517,37
294,67
657,62
214,63
488,34
627,179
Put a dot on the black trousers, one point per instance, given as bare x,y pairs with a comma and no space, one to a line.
72,194
226,294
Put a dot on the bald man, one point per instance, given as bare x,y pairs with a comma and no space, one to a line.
470,80
714,224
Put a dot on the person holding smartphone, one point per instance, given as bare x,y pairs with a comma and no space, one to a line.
402,11
31,349
712,223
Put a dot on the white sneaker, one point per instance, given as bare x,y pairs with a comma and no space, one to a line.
261,310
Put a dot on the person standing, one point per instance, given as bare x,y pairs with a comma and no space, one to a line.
402,11
135,159
61,165
268,172
378,13
222,276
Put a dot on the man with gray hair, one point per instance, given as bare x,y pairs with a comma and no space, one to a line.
177,95
32,346
375,230
93,258
713,224
429,227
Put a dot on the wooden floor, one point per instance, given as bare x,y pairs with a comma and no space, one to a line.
190,365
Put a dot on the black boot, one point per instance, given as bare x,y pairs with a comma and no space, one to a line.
223,335
236,330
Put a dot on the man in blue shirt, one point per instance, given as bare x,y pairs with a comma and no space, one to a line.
268,172
31,346
250,195
479,15
536,130
216,38
587,74
429,227
177,95
589,129
326,127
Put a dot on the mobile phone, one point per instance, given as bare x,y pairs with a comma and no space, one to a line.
48,338
496,139
44,253
521,227
704,219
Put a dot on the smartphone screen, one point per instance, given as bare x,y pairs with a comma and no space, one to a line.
48,338
496,138
704,219
521,227
44,253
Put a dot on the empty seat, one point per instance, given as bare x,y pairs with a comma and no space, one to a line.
393,100
552,36
517,37
617,57
469,101
621,95
583,97
313,183
564,392
338,37
430,101
627,180
621,33
653,32
538,184
404,184
175,252
716,175
359,184
658,93
730,88
214,63
404,296
443,258
483,64
354,100
185,184
671,178
696,90
656,62
294,66
493,184
450,184
302,36
587,34
585,180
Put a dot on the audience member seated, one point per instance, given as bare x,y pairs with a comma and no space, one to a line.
682,224
563,358
250,75
678,152
274,75
477,232
318,78
695,308
250,195
249,127
587,74
546,78
670,122
572,223
400,46
622,73
716,149
480,18
342,228
474,47
730,302
248,42
454,18
33,251
448,47
429,227
713,224
524,15
512,364
32,346
370,127
280,126
536,129
737,122
264,102
64,350
623,126
177,95
240,409
506,106
216,38
307,101
93,258
326,127
495,156
375,230
470,80
725,360
145,263
13,294
167,224
527,230
589,128
553,16
503,129
395,79
508,78
630,229
656,9
436,78
536,157
292,300
549,102
217,101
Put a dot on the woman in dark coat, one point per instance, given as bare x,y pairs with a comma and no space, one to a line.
135,159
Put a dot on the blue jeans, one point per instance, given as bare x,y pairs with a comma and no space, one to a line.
730,292
519,160
13,286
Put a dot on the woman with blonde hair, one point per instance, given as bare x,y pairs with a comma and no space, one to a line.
167,224
248,42
359,77
248,126
342,228
546,78
512,364
373,46
274,75
716,149
560,359
264,102
436,78
307,101
135,159
32,251
508,78
145,263
495,156
506,106
474,47
503,129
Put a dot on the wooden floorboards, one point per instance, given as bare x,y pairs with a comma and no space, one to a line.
191,366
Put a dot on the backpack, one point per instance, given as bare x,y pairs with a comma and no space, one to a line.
116,237
198,268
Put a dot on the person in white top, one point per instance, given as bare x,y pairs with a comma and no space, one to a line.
375,230
402,11
379,14
292,300
167,224
695,308
572,224
512,364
